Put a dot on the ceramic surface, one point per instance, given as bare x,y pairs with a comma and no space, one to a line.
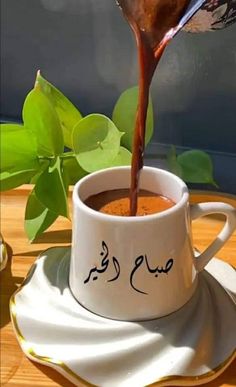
189,347
3,254
136,259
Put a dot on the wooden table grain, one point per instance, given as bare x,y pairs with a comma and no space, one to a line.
16,369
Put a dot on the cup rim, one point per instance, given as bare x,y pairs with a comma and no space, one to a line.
102,216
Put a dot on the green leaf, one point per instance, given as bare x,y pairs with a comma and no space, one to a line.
50,189
16,177
124,157
66,111
18,147
43,164
73,170
173,163
37,217
196,167
13,179
124,116
40,118
96,142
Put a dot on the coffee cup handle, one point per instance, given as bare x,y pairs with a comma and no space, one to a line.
203,209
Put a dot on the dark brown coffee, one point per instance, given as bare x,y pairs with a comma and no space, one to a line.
117,202
150,21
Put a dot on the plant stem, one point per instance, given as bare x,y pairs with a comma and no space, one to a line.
66,155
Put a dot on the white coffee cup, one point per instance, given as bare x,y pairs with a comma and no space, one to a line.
144,267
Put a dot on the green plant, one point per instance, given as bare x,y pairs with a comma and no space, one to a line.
193,166
35,151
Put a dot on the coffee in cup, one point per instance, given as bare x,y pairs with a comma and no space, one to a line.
117,202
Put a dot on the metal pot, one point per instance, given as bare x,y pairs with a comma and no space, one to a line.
213,15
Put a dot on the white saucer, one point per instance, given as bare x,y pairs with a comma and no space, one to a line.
189,347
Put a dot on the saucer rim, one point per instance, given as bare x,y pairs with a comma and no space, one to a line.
64,370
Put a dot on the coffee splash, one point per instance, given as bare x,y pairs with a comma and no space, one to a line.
153,23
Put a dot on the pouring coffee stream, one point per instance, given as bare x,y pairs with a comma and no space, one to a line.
154,23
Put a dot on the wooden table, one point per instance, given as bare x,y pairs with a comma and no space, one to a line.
16,369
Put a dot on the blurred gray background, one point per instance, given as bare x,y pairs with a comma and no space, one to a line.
86,49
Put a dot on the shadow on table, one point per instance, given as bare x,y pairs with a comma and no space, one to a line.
53,237
9,285
59,236
55,376
35,253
